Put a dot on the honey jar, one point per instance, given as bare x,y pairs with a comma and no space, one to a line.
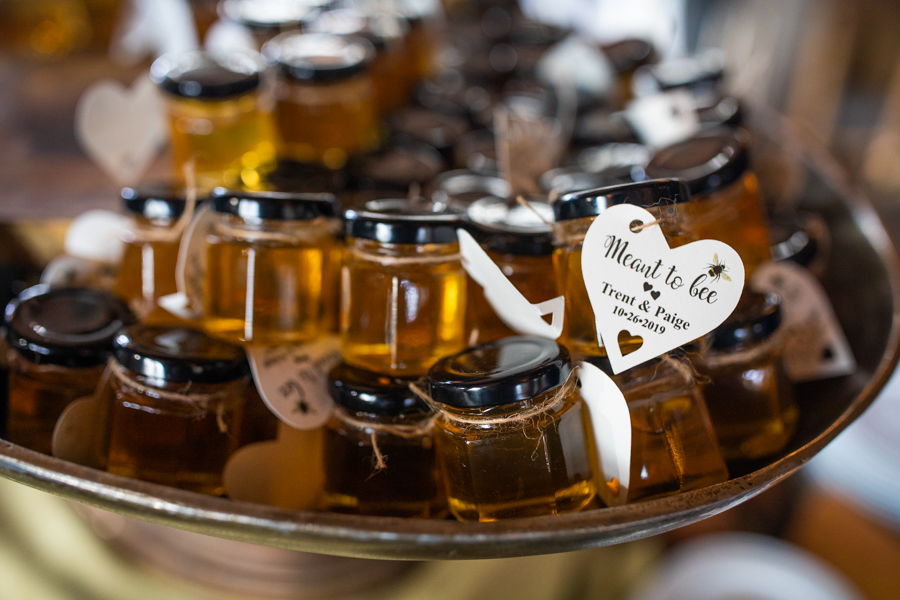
725,199
216,117
403,288
521,244
626,57
379,448
176,400
272,267
266,19
664,198
513,437
325,107
749,396
59,342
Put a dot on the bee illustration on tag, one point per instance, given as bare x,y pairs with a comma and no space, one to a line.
718,270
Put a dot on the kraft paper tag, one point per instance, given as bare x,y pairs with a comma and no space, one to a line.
190,268
638,286
510,305
815,345
611,421
78,436
664,118
293,380
122,130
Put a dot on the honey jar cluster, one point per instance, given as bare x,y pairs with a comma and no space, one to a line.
332,173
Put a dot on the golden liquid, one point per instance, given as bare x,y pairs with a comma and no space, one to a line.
38,394
272,291
420,51
231,141
530,275
544,466
175,442
390,79
399,319
325,122
408,486
751,406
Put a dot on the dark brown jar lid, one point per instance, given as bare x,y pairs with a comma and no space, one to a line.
282,206
319,57
199,74
162,201
515,230
401,164
505,371
753,322
707,162
403,222
645,194
366,392
178,355
266,16
724,111
70,327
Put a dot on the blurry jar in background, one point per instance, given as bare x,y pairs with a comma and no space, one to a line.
749,396
216,117
176,400
664,198
725,201
59,342
395,171
325,108
272,270
460,188
403,288
53,29
802,238
420,47
627,56
266,19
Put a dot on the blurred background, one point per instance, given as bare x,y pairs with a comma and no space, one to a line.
831,66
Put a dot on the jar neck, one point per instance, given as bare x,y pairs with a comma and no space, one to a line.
426,252
234,227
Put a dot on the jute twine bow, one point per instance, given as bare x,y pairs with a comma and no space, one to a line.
407,432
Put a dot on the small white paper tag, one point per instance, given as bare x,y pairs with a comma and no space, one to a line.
293,380
611,421
97,235
638,286
510,305
815,345
190,268
224,37
122,130
155,27
577,61
664,118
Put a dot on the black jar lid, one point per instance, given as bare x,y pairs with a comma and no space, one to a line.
724,111
178,355
751,323
403,222
645,194
283,206
160,201
371,393
629,54
379,29
400,164
505,371
462,187
71,327
269,15
702,71
794,237
707,162
515,230
439,129
319,57
199,74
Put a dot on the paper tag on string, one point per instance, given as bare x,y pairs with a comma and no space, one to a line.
153,28
98,235
639,287
664,118
293,380
190,268
528,145
511,306
575,61
611,421
815,344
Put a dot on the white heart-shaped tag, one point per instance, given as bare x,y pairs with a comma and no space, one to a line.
639,286
98,235
122,130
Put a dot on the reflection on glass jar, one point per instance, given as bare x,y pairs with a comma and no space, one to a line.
749,396
514,437
403,288
59,342
176,400
272,267
664,198
379,448
216,117
325,108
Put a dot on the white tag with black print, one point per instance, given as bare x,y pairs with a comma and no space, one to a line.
815,344
293,380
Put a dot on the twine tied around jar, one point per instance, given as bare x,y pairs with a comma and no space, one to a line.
407,432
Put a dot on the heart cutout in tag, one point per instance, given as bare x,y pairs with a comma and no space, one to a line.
629,342
702,283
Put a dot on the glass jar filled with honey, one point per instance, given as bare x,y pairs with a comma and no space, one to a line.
403,288
325,107
749,396
725,199
176,400
147,272
266,19
664,198
272,267
521,243
217,117
513,437
59,342
379,448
